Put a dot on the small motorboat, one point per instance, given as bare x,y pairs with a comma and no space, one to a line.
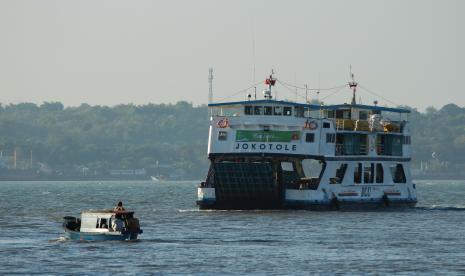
102,225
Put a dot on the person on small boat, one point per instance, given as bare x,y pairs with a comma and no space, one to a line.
117,223
133,224
119,207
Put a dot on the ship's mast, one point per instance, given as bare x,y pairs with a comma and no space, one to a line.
270,82
353,85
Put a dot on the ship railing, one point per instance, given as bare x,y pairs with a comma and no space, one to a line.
343,149
380,149
388,151
365,125
309,183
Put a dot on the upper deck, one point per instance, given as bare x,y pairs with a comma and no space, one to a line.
331,131
284,127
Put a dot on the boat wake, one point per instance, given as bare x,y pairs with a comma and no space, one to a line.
211,241
234,210
59,239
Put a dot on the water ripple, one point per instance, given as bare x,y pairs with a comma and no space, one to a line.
180,239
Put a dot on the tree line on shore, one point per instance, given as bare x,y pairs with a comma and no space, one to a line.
151,136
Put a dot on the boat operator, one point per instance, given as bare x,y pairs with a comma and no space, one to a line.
119,207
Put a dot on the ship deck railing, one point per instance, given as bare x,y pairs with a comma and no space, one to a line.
364,125
343,149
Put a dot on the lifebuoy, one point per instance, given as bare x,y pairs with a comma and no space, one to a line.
311,125
223,123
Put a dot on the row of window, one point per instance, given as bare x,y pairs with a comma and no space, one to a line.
330,137
370,173
268,110
346,114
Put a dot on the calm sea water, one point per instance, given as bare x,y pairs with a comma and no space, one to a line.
179,239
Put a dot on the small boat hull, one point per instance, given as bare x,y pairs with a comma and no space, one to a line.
83,236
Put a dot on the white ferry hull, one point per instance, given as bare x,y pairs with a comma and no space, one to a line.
315,200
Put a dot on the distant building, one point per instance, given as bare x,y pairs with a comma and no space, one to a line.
126,172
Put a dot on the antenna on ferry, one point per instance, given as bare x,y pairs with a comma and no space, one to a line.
353,85
210,85
210,89
306,94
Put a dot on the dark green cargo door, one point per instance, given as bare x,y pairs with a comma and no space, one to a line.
248,184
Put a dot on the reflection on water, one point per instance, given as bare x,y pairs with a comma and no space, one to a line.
178,238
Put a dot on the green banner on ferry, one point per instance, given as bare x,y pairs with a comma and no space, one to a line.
266,136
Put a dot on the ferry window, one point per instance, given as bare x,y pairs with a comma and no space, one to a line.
310,137
248,110
223,135
330,137
407,140
358,173
396,145
312,168
287,166
287,111
277,110
368,173
299,111
330,113
379,173
326,125
397,172
390,144
351,144
340,172
307,112
103,223
268,110
342,114
363,115
258,110
380,144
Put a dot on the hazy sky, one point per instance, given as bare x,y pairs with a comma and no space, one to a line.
112,52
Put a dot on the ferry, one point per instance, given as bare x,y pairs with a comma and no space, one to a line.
278,154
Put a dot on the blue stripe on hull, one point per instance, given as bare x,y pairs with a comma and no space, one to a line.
350,204
311,205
